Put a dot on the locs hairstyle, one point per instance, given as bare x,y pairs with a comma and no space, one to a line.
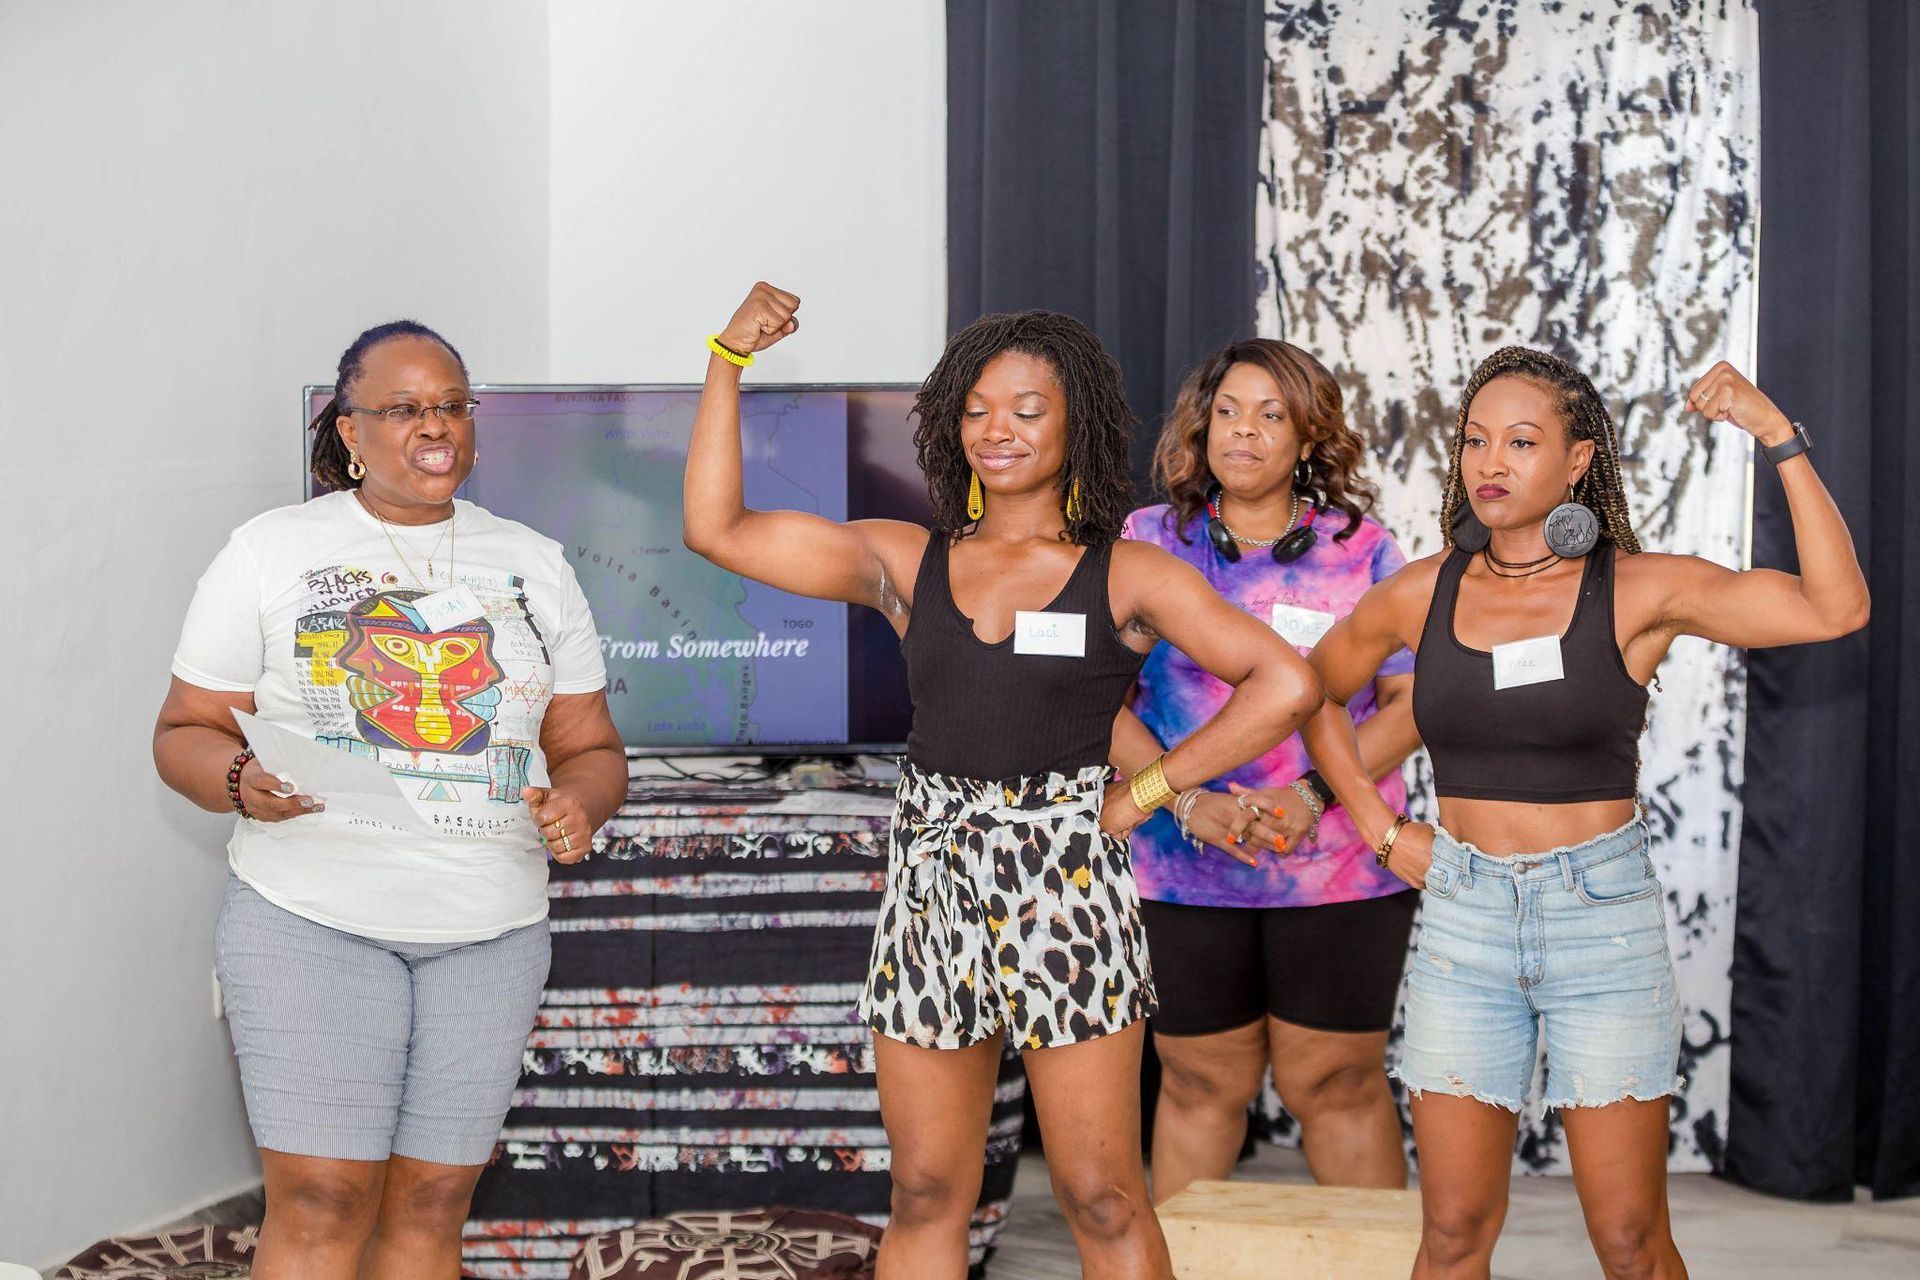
328,459
1314,405
1099,424
1585,414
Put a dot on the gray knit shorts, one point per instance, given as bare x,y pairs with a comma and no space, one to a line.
356,1049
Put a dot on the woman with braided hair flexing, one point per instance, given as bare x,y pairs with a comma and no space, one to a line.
1535,632
1010,908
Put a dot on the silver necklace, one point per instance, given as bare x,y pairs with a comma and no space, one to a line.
1293,518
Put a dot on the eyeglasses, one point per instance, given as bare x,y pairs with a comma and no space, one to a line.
405,415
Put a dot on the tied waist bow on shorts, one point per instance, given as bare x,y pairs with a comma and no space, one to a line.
1007,908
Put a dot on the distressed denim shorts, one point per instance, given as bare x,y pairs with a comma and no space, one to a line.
1572,941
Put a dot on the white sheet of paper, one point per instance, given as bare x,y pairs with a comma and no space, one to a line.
1062,635
1525,662
1302,628
342,780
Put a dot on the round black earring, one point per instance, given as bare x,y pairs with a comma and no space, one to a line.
1217,529
1302,475
1571,529
1468,533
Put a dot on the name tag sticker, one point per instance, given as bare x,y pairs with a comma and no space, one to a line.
1302,628
449,608
1062,635
1525,662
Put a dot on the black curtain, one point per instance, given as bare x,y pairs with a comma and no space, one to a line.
1102,158
1101,161
1826,970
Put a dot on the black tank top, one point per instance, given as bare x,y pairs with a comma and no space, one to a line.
983,711
1557,742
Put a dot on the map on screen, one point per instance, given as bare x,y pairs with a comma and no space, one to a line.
696,656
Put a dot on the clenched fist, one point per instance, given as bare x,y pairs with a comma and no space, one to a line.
762,320
562,820
1725,395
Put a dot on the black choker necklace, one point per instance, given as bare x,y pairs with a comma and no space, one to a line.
1527,569
1518,564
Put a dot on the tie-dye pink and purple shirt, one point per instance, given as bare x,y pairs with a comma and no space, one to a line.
1175,697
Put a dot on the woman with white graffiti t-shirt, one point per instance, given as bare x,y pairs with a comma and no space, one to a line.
381,965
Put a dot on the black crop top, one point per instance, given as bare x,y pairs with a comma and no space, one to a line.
983,711
1557,742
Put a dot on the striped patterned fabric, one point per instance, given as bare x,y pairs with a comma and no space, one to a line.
698,1046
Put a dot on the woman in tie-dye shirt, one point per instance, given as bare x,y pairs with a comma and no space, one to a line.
1275,939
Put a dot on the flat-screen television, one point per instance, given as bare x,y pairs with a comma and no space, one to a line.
700,660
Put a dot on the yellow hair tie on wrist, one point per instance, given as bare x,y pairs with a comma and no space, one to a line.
727,353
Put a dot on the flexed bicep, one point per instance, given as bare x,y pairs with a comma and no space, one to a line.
1275,691
860,562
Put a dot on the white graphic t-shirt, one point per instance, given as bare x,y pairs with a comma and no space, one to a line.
312,610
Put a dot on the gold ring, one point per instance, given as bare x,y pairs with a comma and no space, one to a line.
566,843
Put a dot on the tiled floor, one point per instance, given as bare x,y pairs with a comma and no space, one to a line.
1724,1232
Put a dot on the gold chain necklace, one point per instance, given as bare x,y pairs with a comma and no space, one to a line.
445,535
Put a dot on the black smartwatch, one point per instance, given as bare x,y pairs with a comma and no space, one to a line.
1318,785
1792,447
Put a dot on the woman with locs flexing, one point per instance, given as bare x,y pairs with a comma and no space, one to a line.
1010,906
1536,632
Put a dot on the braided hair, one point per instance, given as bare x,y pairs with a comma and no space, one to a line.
1316,408
1099,424
1585,414
329,458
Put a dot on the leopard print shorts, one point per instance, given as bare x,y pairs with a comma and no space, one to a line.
1006,908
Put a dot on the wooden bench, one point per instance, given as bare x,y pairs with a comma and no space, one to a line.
1255,1231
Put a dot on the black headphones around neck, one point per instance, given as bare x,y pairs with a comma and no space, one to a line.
1295,544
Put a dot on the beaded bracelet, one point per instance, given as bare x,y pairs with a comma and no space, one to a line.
233,782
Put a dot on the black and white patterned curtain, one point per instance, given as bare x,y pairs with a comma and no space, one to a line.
1440,180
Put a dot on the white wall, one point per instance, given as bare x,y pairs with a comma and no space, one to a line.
200,205
698,148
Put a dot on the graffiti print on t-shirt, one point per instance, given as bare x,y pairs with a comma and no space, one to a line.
454,711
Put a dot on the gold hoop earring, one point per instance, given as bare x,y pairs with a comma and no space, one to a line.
976,500
1073,502
356,468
